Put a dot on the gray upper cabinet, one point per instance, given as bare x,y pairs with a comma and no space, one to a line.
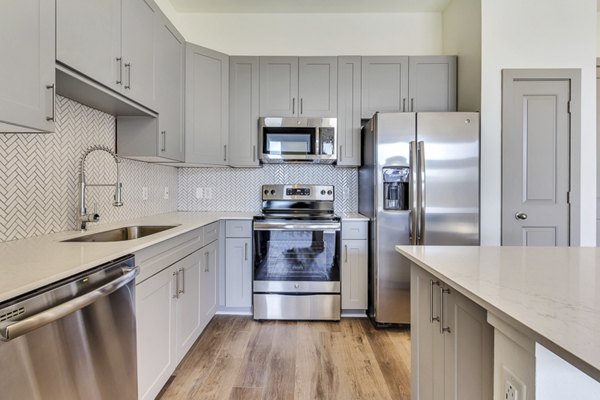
111,42
293,87
206,106
384,84
317,87
170,57
278,86
27,80
138,38
348,113
432,83
243,111
88,38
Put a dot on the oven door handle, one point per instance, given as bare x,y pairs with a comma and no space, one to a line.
295,226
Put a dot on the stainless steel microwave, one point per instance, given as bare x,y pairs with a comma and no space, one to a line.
288,139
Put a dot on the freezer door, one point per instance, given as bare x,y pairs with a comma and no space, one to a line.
394,133
448,154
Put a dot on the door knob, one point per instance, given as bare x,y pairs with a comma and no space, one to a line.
520,215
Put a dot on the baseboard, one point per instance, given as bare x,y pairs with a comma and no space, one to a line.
235,311
354,314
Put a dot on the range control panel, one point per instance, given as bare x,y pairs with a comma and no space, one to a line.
298,192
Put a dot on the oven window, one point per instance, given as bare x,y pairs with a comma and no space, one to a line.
291,255
281,141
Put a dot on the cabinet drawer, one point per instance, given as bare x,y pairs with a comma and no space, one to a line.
211,232
354,230
238,229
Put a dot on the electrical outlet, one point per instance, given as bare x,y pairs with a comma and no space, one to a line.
144,193
208,193
166,194
198,193
514,389
345,193
510,392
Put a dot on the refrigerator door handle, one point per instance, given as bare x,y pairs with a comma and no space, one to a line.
413,194
421,207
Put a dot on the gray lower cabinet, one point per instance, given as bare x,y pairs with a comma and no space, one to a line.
298,86
354,274
432,83
408,84
452,343
208,282
238,263
206,106
88,38
243,111
27,80
348,113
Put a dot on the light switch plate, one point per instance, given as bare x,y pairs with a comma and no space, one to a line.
166,194
144,193
198,193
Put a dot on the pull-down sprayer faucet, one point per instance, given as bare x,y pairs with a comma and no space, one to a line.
84,217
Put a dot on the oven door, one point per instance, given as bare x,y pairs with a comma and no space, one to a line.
293,257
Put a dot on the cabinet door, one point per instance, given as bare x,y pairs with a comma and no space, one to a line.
354,275
188,325
238,272
468,350
206,104
27,66
208,279
138,38
317,86
384,84
155,319
88,39
432,83
243,111
279,86
348,114
169,89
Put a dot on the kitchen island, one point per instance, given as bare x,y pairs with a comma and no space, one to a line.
531,297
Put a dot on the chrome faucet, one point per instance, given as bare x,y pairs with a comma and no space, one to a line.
84,217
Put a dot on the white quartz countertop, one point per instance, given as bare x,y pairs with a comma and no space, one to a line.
29,264
352,216
552,294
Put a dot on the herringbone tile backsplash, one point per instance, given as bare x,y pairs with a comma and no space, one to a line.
238,189
40,173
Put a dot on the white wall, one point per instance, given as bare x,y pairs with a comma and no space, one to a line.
461,33
536,34
315,34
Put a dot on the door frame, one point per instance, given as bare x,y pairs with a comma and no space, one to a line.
574,76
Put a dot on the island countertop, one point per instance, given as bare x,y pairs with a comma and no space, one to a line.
552,294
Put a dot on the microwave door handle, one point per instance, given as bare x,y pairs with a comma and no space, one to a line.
317,142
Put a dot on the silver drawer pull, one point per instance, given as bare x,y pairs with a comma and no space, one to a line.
431,317
442,327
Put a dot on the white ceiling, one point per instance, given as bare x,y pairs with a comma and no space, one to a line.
308,6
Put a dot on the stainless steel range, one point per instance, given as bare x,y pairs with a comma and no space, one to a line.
296,256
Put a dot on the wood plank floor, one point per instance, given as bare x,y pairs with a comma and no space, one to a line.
239,358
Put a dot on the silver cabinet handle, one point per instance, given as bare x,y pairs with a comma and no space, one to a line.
246,251
254,153
403,105
422,176
13,329
164,141
206,267
182,290
413,194
128,66
412,104
431,317
345,253
341,154
442,327
176,277
301,105
224,152
53,106
293,105
120,80
521,216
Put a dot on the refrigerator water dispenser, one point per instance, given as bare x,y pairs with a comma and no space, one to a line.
395,188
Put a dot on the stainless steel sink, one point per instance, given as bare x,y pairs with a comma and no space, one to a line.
121,234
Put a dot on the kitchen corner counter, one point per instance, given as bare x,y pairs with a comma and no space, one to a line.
550,295
352,216
29,264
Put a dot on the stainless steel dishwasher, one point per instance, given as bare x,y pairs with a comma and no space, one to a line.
74,339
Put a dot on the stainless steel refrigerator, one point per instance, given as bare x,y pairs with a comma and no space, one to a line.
419,184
